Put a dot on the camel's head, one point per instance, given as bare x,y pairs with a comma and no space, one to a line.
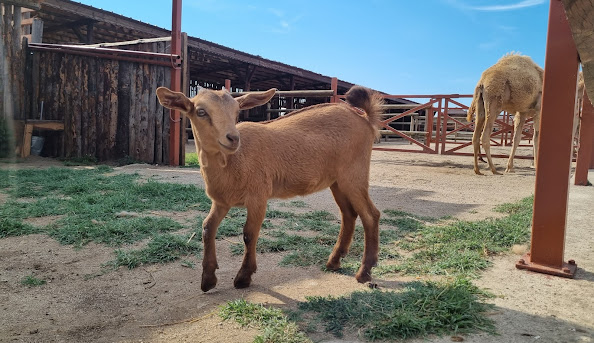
213,114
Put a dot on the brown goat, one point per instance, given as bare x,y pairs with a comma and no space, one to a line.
244,165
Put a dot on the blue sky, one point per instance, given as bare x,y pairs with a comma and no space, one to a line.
395,46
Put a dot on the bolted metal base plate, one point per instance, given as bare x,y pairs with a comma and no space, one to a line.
567,269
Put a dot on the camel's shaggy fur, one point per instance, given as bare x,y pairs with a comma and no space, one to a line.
244,165
513,84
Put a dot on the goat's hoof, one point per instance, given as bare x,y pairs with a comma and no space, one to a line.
208,283
363,276
242,282
496,172
331,265
509,170
478,172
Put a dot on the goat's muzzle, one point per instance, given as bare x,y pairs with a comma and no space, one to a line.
231,144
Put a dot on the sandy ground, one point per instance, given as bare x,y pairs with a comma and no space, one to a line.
135,305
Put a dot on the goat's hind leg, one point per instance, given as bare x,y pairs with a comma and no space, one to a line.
364,207
209,233
251,231
347,228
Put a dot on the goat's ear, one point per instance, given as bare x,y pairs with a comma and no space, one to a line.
252,100
174,100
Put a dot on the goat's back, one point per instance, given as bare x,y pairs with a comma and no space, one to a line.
308,150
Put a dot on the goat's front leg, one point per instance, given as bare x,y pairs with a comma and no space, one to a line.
209,233
251,231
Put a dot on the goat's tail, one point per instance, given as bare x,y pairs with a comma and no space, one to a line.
369,101
478,96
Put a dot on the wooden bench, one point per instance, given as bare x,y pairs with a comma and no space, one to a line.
24,132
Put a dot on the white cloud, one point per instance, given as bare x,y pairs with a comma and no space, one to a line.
509,7
284,24
493,8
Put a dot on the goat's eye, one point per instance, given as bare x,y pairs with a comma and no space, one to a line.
201,113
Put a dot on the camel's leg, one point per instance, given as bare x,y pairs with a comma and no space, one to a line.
358,196
251,230
536,138
476,136
347,228
486,136
519,120
209,233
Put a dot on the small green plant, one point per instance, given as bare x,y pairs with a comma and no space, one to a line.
273,324
192,160
188,264
421,309
87,160
32,281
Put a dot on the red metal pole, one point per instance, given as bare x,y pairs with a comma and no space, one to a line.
174,116
334,87
228,84
586,151
554,150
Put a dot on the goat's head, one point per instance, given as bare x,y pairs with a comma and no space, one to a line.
214,114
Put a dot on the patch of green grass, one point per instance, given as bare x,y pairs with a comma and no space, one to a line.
294,203
162,248
273,324
11,227
113,231
93,205
421,309
87,160
32,281
192,160
463,247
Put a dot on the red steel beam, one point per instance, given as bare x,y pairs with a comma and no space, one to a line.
554,150
585,155
174,116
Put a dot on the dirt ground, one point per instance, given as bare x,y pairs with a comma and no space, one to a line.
163,303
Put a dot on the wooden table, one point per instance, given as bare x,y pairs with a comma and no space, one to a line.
27,127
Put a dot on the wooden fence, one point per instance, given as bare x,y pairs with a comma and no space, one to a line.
109,106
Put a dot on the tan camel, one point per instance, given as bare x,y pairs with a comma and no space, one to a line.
514,85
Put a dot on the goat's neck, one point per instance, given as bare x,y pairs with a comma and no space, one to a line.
207,159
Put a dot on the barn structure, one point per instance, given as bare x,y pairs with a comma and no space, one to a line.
88,76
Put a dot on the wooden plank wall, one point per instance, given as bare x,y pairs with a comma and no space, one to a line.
109,107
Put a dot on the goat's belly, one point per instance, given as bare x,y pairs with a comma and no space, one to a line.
289,190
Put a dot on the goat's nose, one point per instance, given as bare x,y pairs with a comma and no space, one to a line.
234,139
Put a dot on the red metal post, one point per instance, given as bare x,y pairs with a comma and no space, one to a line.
228,84
444,125
437,125
585,155
334,87
174,117
554,150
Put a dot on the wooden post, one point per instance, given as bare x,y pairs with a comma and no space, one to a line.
228,84
585,155
554,151
174,127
